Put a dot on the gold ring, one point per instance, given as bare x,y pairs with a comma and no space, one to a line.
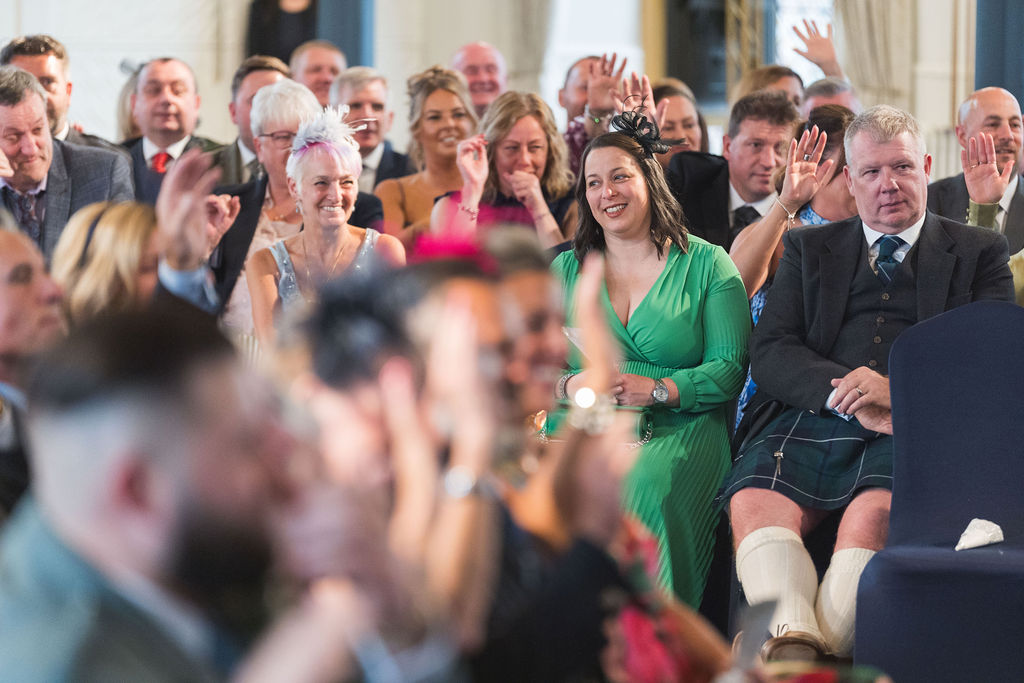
859,390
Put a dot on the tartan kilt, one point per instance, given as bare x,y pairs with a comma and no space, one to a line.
825,460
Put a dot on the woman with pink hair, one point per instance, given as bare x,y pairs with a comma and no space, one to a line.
323,177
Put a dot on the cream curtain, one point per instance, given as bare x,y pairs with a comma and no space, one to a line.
879,39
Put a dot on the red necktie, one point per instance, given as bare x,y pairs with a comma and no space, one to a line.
160,160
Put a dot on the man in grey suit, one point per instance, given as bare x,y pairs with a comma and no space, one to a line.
996,112
46,58
49,180
166,106
821,439
237,161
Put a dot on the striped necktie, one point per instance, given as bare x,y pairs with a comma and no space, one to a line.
885,263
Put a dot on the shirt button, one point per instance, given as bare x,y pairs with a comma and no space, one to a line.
872,363
877,340
885,296
880,319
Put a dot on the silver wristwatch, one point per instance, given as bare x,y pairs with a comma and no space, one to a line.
660,393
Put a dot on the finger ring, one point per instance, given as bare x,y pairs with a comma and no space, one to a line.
859,390
807,157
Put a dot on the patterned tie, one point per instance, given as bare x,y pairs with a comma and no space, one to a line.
28,217
255,169
885,263
742,217
160,160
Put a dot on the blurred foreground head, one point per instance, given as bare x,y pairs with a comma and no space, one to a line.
157,457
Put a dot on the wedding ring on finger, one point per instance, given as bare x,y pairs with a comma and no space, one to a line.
859,390
807,157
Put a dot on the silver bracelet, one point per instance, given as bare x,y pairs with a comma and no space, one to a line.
560,388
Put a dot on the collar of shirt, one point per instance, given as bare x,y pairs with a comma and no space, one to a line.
64,132
16,396
35,190
243,151
762,206
372,160
368,176
909,236
150,148
182,622
1004,201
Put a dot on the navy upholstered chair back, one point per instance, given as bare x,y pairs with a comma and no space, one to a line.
957,386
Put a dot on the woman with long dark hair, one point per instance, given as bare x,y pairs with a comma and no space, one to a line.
677,307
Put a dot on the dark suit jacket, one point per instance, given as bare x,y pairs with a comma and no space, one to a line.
228,258
79,176
948,197
791,344
86,140
232,170
393,165
61,620
701,184
147,182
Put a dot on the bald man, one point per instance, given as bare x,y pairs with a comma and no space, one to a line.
485,70
996,112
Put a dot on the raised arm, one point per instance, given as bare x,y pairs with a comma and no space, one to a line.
756,249
819,49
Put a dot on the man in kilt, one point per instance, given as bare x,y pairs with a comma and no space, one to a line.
820,435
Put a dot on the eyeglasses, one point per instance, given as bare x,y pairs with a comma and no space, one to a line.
281,139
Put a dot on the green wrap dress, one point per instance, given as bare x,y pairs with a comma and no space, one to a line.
691,327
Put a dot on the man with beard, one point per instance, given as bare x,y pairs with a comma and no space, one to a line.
364,90
142,551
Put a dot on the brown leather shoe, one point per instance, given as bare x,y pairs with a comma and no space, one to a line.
793,646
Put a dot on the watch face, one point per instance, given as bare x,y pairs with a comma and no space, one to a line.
660,392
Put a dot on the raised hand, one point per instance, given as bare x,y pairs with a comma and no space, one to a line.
985,183
601,353
181,210
471,158
819,49
221,212
804,174
602,82
636,92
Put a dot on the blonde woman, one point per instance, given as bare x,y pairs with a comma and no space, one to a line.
516,171
106,259
440,117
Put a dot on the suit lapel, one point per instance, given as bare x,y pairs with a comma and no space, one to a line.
58,200
837,265
935,264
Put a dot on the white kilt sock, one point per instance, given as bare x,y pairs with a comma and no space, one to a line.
773,564
837,598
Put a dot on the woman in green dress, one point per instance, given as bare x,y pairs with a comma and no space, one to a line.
678,308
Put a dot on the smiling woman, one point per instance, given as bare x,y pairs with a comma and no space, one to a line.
515,172
440,116
323,172
677,307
